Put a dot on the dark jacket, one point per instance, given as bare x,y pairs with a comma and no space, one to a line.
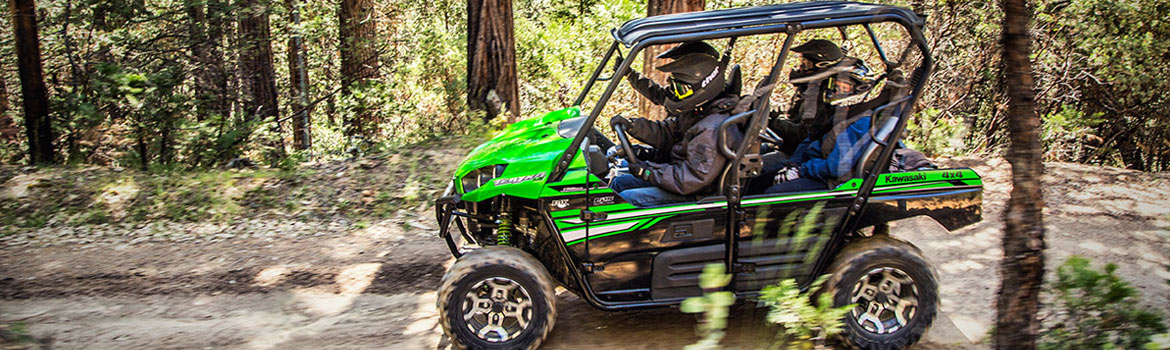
836,165
662,135
807,115
694,163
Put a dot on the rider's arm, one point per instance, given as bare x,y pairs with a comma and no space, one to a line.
661,134
792,133
654,92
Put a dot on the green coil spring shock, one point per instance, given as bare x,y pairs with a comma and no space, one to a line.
504,232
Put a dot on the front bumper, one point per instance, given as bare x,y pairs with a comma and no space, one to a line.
452,214
447,213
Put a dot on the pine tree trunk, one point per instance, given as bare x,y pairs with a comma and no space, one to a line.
197,37
217,71
1022,269
298,81
359,60
258,75
649,62
492,84
38,127
8,128
3,98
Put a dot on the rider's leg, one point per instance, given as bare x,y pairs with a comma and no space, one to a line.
772,162
626,182
653,196
798,185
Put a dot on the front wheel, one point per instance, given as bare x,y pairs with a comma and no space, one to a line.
893,289
497,298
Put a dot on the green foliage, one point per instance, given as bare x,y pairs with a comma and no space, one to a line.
805,324
556,53
1064,133
714,306
936,135
16,336
1158,342
1097,310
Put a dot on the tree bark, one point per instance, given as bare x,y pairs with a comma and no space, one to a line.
359,60
205,92
8,128
298,81
649,62
1022,269
3,98
38,127
492,85
259,77
219,102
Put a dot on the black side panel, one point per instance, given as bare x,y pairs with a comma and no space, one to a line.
954,208
769,261
676,272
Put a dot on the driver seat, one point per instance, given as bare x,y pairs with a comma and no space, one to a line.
734,81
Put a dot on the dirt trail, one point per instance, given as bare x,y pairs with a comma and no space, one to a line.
373,287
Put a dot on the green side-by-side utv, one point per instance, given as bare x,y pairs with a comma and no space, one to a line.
531,209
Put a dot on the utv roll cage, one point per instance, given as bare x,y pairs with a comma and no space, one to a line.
790,19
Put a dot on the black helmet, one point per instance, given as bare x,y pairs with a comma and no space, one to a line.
696,76
850,85
821,52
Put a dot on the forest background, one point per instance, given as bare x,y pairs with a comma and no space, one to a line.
179,84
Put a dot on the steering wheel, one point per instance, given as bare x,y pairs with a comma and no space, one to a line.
624,140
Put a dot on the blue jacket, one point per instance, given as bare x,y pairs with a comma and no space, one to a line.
839,164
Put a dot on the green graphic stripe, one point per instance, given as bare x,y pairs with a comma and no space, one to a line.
652,223
561,225
603,235
825,197
566,213
919,187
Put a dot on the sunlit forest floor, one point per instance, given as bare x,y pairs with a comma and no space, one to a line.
344,254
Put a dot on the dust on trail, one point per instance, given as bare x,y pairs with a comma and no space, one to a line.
374,287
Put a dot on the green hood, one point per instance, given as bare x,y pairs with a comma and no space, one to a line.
529,148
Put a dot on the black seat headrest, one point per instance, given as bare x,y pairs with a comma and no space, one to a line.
734,81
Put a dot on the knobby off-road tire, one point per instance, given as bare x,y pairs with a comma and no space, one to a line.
868,273
508,285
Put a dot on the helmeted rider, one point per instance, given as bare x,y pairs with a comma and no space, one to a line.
829,87
808,110
686,162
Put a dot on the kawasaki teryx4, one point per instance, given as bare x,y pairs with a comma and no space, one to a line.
530,209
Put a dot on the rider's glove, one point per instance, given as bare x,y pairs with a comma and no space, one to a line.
644,152
620,120
787,173
637,170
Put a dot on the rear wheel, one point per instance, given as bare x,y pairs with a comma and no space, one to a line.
497,298
893,289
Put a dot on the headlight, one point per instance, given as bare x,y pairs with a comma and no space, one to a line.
478,177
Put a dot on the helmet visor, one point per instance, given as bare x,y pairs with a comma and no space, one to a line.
679,90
